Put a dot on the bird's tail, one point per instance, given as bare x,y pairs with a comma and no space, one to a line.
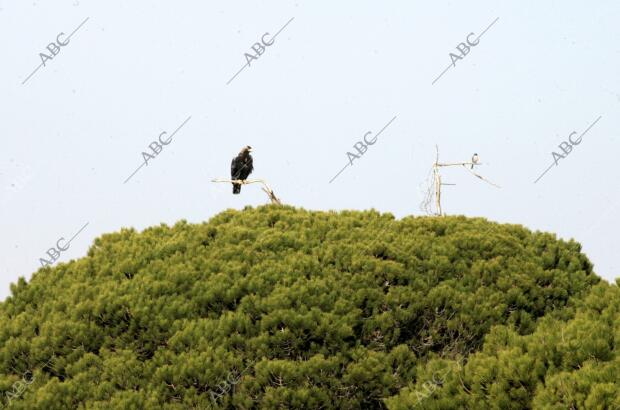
236,188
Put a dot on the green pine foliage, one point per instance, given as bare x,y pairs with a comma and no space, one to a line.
281,308
569,362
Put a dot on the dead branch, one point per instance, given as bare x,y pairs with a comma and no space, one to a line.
272,197
482,178
434,188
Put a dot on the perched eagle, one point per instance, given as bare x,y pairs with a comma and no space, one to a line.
241,167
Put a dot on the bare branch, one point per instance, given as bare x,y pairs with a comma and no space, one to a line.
434,187
451,164
482,178
272,197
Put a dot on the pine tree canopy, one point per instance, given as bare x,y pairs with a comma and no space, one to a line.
277,307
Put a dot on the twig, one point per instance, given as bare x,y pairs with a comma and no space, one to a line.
274,199
482,178
437,183
451,164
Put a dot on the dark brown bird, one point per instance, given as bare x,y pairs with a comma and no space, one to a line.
241,167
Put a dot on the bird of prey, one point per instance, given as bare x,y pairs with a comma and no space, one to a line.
474,160
241,167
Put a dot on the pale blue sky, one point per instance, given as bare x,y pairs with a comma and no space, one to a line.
75,131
